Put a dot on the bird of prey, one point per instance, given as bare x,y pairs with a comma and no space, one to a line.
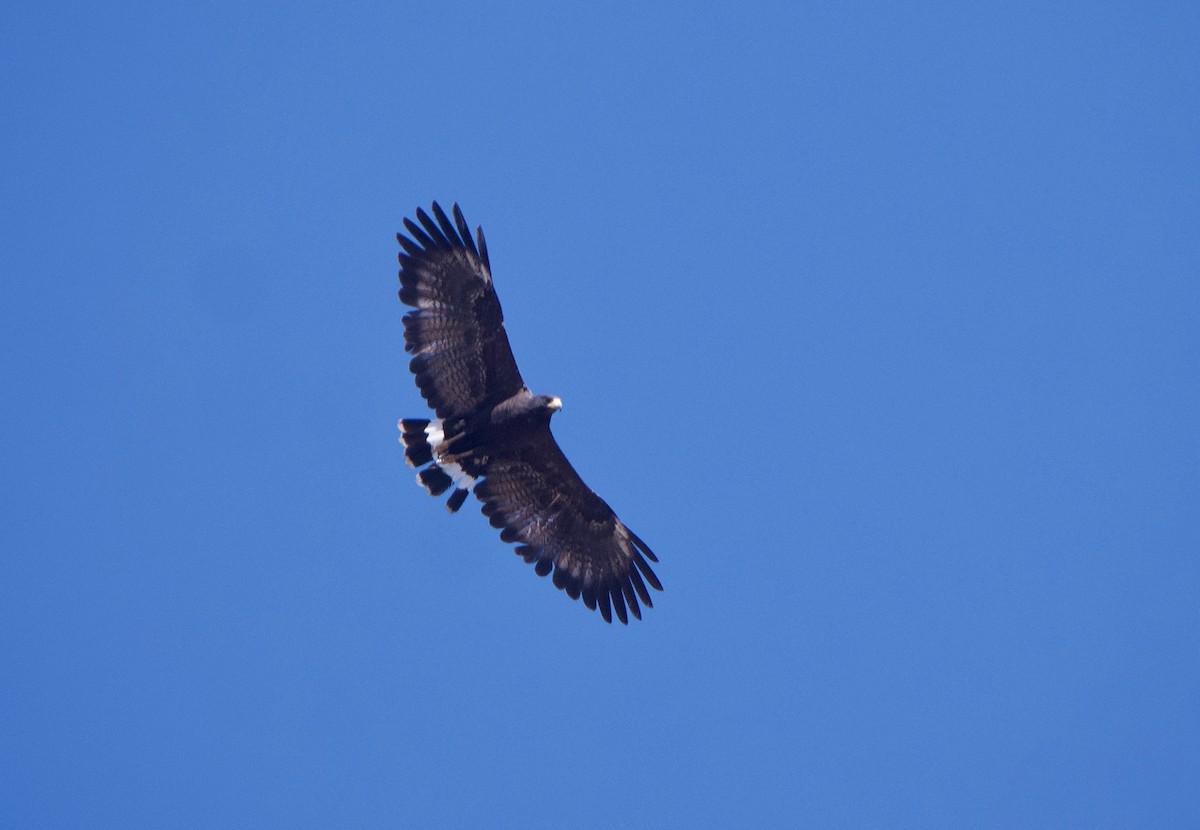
490,434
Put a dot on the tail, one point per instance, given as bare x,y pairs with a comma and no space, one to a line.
415,438
422,439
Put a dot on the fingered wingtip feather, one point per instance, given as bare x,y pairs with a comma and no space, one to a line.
642,546
638,585
447,228
431,227
647,573
464,230
481,244
418,234
618,604
630,598
605,606
411,249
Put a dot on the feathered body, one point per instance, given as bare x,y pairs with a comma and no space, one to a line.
492,435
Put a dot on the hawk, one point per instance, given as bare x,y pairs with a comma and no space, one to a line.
491,435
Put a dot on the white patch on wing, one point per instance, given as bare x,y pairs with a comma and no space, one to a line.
428,303
432,347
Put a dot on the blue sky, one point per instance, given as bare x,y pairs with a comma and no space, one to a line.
877,321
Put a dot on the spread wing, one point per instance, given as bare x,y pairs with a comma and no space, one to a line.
535,496
461,357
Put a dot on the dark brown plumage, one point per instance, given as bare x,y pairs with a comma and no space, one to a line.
493,435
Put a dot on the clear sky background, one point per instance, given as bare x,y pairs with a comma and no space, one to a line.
879,322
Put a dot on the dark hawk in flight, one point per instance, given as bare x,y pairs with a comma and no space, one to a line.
492,435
